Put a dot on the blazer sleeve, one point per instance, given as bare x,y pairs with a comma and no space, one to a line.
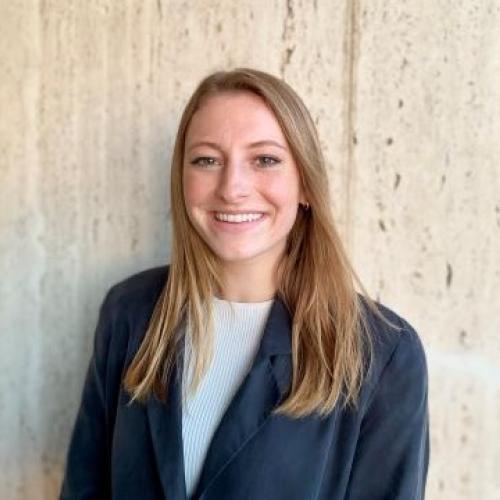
87,470
392,453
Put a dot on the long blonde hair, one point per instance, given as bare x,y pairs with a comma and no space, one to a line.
315,279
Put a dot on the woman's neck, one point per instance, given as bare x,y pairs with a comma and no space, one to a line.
247,283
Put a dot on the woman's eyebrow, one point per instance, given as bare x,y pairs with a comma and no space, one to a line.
214,145
267,142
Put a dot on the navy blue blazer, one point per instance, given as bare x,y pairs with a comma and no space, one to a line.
379,451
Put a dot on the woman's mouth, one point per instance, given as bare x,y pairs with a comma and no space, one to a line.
238,222
239,217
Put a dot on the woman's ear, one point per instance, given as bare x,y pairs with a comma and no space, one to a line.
303,198
303,203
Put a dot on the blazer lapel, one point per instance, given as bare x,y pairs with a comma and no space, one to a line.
264,387
165,423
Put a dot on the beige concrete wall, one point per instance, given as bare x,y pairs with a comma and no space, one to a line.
406,96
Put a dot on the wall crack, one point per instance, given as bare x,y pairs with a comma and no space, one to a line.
287,37
351,58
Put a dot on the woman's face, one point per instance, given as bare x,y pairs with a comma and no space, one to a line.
241,184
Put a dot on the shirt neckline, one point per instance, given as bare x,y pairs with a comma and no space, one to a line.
264,303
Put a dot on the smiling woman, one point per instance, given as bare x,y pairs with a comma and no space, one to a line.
242,190
250,367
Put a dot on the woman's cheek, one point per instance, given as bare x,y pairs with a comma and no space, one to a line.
282,192
195,189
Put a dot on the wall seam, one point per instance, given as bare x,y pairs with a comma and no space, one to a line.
287,37
351,57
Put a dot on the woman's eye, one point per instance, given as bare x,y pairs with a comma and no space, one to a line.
268,160
204,161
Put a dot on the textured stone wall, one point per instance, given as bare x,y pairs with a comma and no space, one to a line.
406,96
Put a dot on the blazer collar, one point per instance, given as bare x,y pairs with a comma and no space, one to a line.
165,425
276,338
264,387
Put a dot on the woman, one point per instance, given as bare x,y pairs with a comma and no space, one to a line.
250,368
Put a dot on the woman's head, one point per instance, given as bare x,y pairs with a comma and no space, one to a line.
223,162
314,278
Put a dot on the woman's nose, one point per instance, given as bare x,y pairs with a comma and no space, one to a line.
234,182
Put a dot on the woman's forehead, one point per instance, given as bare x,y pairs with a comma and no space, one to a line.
233,115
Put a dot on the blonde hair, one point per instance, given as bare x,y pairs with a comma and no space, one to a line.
330,337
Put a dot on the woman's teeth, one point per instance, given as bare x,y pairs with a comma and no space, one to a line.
238,217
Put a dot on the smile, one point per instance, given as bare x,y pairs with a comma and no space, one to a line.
238,218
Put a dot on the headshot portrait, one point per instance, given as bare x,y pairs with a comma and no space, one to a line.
250,251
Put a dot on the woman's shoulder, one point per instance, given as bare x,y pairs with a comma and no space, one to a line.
139,288
387,328
128,305
397,349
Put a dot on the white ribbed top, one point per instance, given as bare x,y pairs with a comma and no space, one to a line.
238,328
